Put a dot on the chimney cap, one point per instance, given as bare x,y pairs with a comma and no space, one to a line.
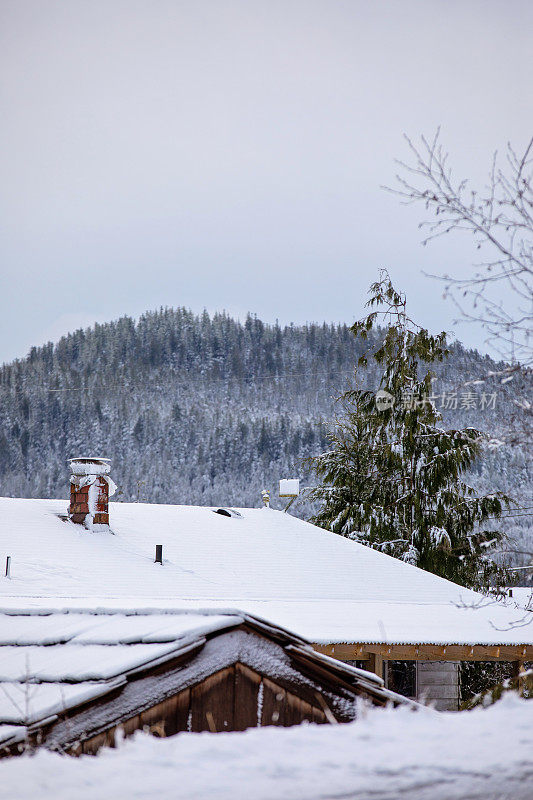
90,459
89,465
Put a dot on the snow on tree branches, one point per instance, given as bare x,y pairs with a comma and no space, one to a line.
392,478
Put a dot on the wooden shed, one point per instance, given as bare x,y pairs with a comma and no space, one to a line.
71,681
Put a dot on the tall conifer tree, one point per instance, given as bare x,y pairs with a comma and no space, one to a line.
392,478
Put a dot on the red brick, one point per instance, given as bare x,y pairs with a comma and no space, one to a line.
79,508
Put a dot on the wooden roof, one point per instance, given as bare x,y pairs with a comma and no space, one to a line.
66,678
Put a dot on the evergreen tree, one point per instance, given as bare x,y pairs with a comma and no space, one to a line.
392,478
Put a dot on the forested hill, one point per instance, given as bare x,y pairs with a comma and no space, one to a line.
200,409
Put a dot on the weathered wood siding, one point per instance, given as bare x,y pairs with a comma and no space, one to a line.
247,698
234,698
213,702
438,684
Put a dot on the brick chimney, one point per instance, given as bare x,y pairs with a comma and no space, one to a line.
90,489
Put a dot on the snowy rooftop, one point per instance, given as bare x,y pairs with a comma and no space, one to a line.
54,662
57,662
326,588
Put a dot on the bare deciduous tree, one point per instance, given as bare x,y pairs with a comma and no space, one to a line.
500,218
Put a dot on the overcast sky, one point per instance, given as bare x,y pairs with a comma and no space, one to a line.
229,155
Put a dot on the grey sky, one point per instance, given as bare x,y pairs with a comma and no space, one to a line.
229,155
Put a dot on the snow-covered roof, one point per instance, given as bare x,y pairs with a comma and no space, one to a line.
264,562
51,663
522,596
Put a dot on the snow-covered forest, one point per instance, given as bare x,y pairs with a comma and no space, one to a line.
206,410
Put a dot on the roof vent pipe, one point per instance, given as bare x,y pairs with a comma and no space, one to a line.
90,490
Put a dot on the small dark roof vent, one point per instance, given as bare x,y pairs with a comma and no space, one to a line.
227,512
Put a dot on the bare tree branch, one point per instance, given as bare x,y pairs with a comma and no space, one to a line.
500,218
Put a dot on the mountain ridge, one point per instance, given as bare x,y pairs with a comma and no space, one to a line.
204,409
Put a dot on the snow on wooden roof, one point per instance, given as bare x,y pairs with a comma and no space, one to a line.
327,588
51,663
56,661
